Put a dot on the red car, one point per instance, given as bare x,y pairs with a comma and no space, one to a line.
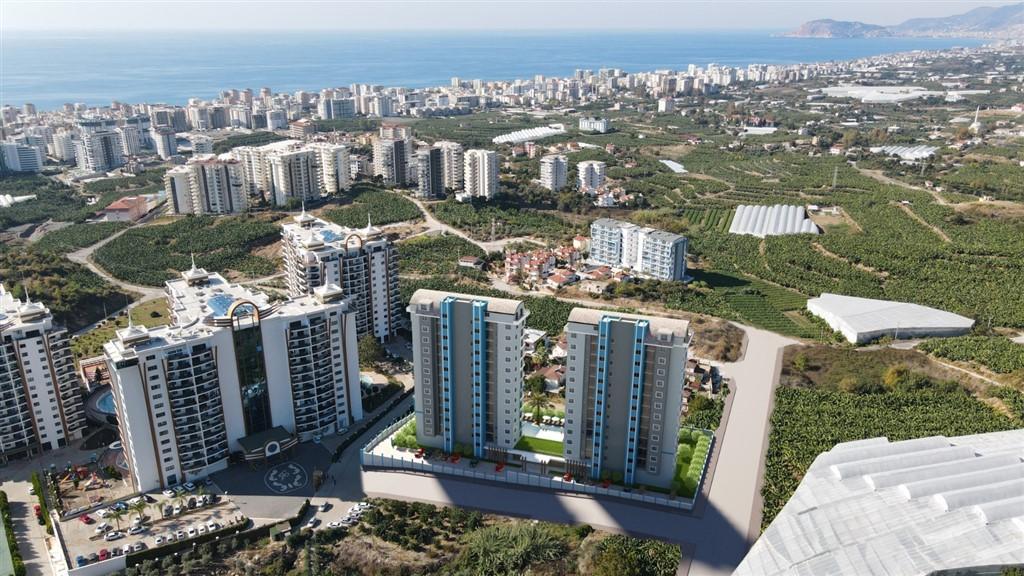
86,519
104,554
39,511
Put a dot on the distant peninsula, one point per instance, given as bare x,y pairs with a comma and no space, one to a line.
985,22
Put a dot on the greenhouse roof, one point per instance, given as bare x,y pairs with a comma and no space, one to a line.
910,507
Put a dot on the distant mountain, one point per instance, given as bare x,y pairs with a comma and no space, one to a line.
988,22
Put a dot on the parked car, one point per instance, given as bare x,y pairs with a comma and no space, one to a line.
334,524
94,557
85,519
325,506
180,535
139,529
201,529
116,552
313,522
104,554
189,486
139,546
126,549
103,527
208,481
169,493
32,490
212,526
80,561
103,513
168,510
159,540
177,510
111,536
192,532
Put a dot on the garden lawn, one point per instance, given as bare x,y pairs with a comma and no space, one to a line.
540,446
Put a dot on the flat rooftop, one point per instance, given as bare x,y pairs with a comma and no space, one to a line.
659,324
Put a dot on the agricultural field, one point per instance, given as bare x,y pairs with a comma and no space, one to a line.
151,255
367,202
76,296
75,236
476,218
434,255
475,130
811,420
54,201
997,353
252,139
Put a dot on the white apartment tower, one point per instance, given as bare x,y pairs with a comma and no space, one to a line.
166,142
468,371
207,184
646,251
294,175
624,387
452,166
591,176
480,177
363,262
234,372
15,157
391,160
131,140
201,144
333,164
40,400
430,173
553,169
99,151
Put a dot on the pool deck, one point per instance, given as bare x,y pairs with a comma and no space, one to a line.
93,411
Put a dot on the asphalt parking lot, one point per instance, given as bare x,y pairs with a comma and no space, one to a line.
82,539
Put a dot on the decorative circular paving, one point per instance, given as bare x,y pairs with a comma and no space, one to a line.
286,478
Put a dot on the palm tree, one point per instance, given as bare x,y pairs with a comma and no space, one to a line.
139,507
537,402
116,516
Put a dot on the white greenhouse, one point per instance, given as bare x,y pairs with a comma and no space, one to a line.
863,319
774,220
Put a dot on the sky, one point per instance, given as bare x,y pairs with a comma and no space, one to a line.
472,15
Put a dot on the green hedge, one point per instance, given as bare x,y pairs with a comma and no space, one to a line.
40,487
12,542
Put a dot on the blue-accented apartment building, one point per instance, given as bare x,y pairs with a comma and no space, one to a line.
623,389
468,367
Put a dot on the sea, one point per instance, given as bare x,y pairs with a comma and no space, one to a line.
49,69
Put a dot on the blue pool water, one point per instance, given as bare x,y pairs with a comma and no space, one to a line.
105,403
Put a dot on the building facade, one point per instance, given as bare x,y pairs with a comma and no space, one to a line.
232,370
99,151
451,164
600,125
40,400
468,370
646,251
430,173
623,389
591,176
480,177
333,166
362,262
553,170
166,142
15,157
207,184
391,160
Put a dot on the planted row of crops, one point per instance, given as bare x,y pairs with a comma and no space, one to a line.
372,204
151,255
999,354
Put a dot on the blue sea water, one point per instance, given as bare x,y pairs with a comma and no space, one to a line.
49,69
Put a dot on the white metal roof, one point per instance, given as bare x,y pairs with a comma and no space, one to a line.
774,220
922,517
861,319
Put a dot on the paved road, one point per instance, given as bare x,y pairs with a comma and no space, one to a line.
720,533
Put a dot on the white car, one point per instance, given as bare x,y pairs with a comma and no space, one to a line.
139,546
177,510
103,513
127,549
159,540
139,529
103,527
111,536
169,493
325,506
335,524
192,532
202,529
212,526
189,486
180,535
313,522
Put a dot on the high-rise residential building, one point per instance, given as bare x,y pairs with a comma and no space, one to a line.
15,157
591,176
395,131
646,251
333,108
468,371
553,170
166,142
430,177
624,386
451,164
99,151
333,164
390,160
294,175
666,104
480,177
600,125
277,119
64,146
201,143
382,106
131,140
28,109
362,261
234,372
40,401
207,184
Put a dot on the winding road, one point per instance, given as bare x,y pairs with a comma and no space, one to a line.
434,226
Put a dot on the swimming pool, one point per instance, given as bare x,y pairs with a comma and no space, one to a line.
105,403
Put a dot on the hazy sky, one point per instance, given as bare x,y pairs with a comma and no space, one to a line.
458,14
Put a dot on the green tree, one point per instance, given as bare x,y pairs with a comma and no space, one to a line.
800,362
535,385
116,516
537,403
139,507
371,353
